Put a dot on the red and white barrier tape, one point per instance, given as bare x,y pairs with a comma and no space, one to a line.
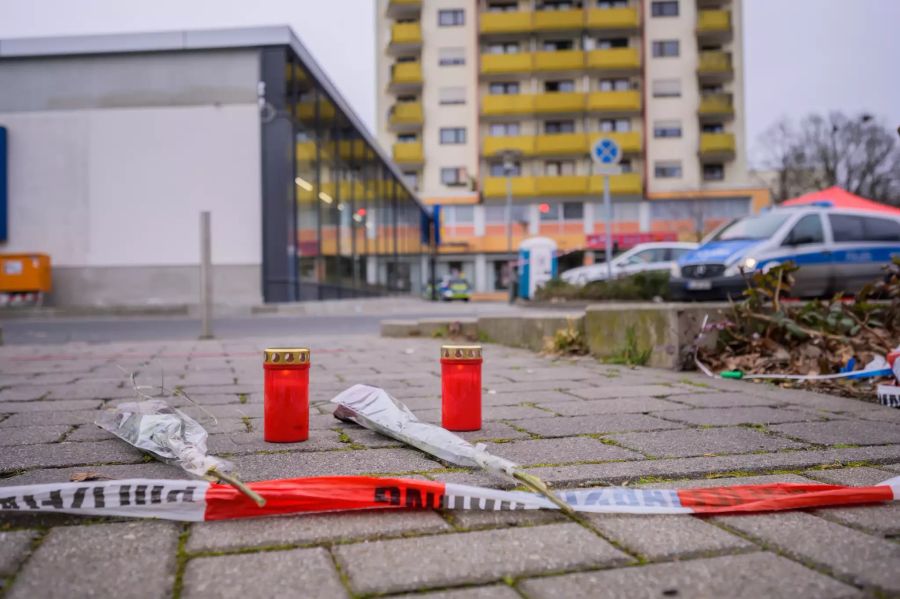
197,501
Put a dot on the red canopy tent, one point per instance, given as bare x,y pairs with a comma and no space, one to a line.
840,198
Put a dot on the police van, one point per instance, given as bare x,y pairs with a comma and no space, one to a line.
836,249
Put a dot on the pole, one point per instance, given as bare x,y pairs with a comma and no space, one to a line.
509,211
205,276
608,205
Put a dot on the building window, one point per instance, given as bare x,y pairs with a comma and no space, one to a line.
407,138
604,43
665,48
664,8
667,129
453,135
499,170
458,215
612,3
615,125
713,172
504,129
448,57
615,85
564,85
558,5
452,95
412,179
712,128
572,211
564,211
500,88
559,168
558,45
666,88
451,18
667,170
625,165
454,176
503,6
504,48
555,127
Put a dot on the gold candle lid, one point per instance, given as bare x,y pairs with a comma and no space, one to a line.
286,355
461,352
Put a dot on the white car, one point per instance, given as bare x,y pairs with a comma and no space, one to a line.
645,257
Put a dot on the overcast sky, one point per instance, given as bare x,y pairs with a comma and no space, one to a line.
801,55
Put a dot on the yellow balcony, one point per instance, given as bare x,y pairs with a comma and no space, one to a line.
523,144
615,101
406,114
614,59
629,141
503,104
305,151
562,144
565,185
714,65
717,145
561,60
406,34
495,187
613,18
713,23
624,184
716,105
559,102
492,64
558,20
409,153
406,75
506,22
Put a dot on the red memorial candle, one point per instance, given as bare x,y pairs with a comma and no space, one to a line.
286,402
461,387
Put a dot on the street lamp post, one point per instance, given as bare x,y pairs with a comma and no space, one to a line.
509,165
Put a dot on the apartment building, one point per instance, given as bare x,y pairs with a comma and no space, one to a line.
481,100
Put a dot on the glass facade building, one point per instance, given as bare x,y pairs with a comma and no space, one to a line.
338,220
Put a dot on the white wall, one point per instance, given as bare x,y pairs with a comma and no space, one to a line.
124,186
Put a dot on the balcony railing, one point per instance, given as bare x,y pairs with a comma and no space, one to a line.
627,101
559,102
561,144
716,105
717,145
526,21
713,22
566,185
558,20
503,104
492,64
494,146
629,141
406,34
406,74
614,59
714,64
506,22
613,18
409,153
406,113
560,60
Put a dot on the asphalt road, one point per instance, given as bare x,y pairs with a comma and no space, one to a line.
133,328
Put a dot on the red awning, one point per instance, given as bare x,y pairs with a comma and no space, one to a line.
840,198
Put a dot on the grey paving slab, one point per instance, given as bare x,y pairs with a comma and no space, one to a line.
100,561
536,397
492,429
561,451
697,442
882,519
30,435
667,537
614,391
17,407
738,415
228,535
855,477
494,591
14,548
474,477
623,405
48,418
243,442
22,457
724,481
331,463
618,472
370,439
477,519
89,432
842,431
717,399
473,557
24,393
567,426
57,475
307,573
851,555
737,576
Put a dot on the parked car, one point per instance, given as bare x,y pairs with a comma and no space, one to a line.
644,257
452,289
836,250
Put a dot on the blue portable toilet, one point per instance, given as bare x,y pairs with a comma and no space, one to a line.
538,264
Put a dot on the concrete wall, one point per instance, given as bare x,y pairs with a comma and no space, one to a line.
108,177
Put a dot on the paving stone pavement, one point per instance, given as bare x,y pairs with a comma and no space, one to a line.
575,422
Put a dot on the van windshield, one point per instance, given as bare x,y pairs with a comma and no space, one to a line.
761,226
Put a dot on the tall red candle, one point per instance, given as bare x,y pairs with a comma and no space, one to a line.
461,387
286,401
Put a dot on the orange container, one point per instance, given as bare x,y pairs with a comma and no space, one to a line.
24,273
